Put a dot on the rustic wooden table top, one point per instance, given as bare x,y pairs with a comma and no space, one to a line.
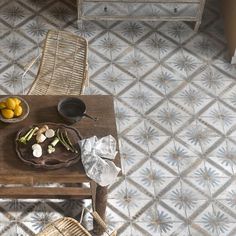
44,109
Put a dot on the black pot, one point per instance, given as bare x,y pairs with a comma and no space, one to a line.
73,109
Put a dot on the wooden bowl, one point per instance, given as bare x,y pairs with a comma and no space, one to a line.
25,113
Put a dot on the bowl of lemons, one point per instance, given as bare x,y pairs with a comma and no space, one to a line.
13,109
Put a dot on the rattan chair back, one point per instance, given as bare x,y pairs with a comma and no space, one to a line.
63,67
64,227
67,226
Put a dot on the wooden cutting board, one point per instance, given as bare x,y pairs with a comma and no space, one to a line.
58,159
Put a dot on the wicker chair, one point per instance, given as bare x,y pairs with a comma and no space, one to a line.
67,226
63,67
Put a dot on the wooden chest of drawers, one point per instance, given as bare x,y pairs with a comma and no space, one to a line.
143,10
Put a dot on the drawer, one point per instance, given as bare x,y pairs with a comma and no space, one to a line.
162,11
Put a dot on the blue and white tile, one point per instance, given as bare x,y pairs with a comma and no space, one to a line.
204,46
60,14
224,156
220,116
131,31
159,221
36,29
154,80
141,100
109,45
179,32
157,46
125,116
177,157
184,200
16,45
14,14
164,81
169,116
113,79
208,178
225,223
137,63
184,63
39,216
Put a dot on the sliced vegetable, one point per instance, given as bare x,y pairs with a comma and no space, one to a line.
51,146
50,133
51,149
37,150
54,142
40,138
37,153
36,146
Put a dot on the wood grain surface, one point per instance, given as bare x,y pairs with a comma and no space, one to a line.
44,109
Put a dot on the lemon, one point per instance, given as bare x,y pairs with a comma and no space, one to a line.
17,101
10,103
7,113
18,110
2,105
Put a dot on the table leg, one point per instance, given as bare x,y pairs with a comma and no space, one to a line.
79,9
100,204
196,27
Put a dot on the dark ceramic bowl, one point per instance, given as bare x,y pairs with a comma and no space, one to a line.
71,109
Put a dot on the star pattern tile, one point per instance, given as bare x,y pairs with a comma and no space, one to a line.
174,96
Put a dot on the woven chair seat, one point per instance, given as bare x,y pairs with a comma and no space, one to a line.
63,67
65,226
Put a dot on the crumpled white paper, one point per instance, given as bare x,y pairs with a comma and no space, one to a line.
96,156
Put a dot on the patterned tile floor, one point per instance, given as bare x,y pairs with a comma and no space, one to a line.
175,97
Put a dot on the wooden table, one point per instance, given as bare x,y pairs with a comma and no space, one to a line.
14,171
